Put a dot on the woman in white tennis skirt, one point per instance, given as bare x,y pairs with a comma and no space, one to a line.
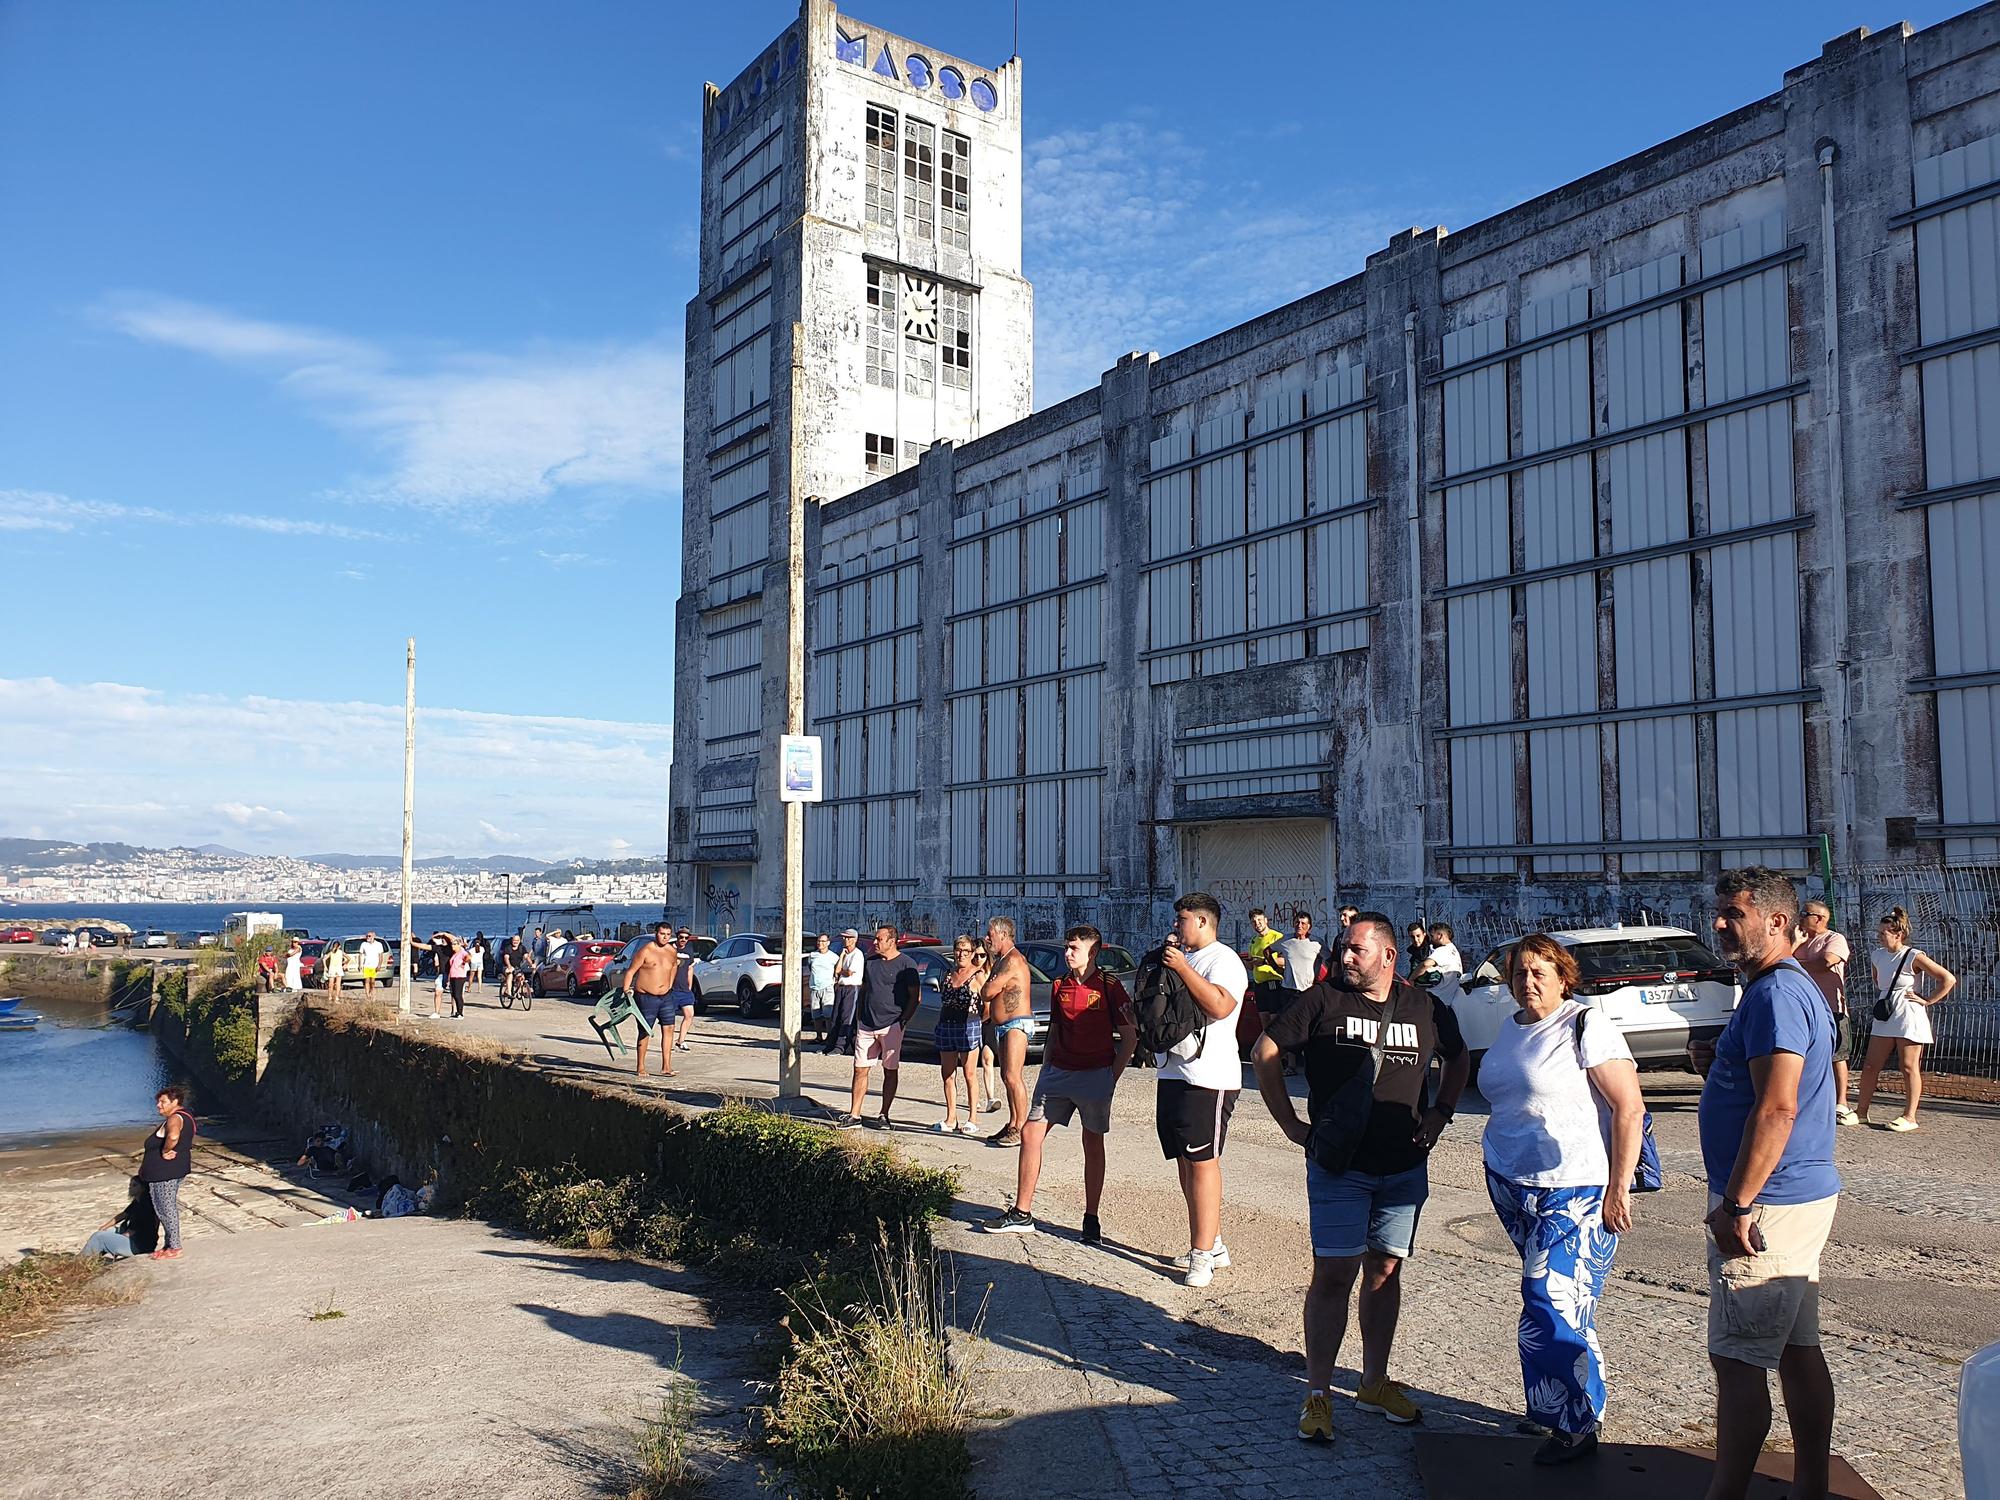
1908,1030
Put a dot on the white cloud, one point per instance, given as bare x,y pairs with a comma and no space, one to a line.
43,510
1137,240
285,774
259,819
461,431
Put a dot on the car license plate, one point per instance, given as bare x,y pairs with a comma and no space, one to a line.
1669,994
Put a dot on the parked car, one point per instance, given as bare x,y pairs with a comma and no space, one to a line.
17,934
204,940
577,969
52,937
1661,986
933,966
701,946
350,974
96,937
311,948
152,937
744,968
1113,960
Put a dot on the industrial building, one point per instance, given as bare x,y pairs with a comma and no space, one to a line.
1532,573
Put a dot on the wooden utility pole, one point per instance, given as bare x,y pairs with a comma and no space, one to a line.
792,943
409,804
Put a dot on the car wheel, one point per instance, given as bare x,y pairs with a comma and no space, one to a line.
746,998
574,991
700,1005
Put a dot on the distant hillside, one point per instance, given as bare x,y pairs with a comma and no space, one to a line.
222,851
497,863
52,854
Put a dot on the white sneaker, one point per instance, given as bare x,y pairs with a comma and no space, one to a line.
1845,1116
1218,1257
1201,1268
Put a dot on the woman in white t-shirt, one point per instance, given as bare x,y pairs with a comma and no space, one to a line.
1908,1030
1563,1196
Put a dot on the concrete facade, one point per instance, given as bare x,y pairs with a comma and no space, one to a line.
861,298
1532,573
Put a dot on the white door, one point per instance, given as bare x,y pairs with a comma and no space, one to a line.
1284,865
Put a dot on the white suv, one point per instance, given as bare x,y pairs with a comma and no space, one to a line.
744,968
1661,986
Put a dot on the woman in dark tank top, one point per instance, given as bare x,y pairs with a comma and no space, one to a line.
168,1160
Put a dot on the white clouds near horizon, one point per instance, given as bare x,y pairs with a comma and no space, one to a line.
128,763
458,430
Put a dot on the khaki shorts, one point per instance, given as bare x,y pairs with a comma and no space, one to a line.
1758,1304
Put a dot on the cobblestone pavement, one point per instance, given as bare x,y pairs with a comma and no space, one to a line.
1201,1389
1090,1353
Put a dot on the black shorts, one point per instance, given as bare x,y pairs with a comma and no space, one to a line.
1192,1122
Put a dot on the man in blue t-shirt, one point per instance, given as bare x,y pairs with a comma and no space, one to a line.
1767,1144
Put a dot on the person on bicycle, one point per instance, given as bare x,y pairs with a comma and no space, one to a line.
513,967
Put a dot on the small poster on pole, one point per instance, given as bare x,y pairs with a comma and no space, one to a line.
799,778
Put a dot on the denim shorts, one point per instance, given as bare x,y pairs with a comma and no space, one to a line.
1355,1211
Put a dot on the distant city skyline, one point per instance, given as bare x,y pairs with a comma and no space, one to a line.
345,324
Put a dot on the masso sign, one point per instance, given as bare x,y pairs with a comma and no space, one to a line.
918,71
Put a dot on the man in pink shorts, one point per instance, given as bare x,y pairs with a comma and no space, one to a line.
890,989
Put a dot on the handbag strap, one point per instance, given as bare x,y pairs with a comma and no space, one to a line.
1901,964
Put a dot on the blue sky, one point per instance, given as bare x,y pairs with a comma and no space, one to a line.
326,324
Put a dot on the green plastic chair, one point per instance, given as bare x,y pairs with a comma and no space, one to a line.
613,1010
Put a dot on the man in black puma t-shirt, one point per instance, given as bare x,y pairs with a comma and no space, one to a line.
1367,1047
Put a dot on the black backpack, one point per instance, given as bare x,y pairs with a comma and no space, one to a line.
1162,1008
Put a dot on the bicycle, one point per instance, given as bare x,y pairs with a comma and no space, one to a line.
514,985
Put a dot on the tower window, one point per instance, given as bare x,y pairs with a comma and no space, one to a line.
881,166
919,179
955,337
920,336
880,452
955,192
882,327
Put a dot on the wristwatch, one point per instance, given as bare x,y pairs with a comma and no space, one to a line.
1736,1210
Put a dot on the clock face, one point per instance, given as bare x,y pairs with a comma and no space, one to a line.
919,309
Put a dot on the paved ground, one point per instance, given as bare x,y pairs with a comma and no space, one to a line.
465,1360
1908,1291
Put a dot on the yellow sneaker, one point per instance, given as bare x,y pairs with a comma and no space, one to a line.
1316,1419
1388,1398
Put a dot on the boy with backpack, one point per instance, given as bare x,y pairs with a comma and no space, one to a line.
1190,990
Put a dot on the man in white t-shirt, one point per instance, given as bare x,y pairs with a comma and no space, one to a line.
1301,955
371,964
1443,958
1200,1079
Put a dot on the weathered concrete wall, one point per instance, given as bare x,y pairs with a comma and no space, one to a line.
1870,757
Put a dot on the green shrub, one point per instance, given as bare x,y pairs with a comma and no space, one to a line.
233,1040
170,992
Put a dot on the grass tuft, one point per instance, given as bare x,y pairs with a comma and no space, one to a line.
325,1314
869,1402
667,1468
36,1287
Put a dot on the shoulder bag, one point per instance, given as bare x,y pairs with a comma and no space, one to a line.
1885,1003
1646,1174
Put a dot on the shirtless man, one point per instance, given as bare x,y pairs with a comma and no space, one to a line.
1008,1003
652,974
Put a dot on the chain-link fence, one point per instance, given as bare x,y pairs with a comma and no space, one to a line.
1954,918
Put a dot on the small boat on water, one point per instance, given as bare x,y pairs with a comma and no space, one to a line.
7,1007
19,1020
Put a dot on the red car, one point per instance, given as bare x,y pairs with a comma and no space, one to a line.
577,969
16,935
312,948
